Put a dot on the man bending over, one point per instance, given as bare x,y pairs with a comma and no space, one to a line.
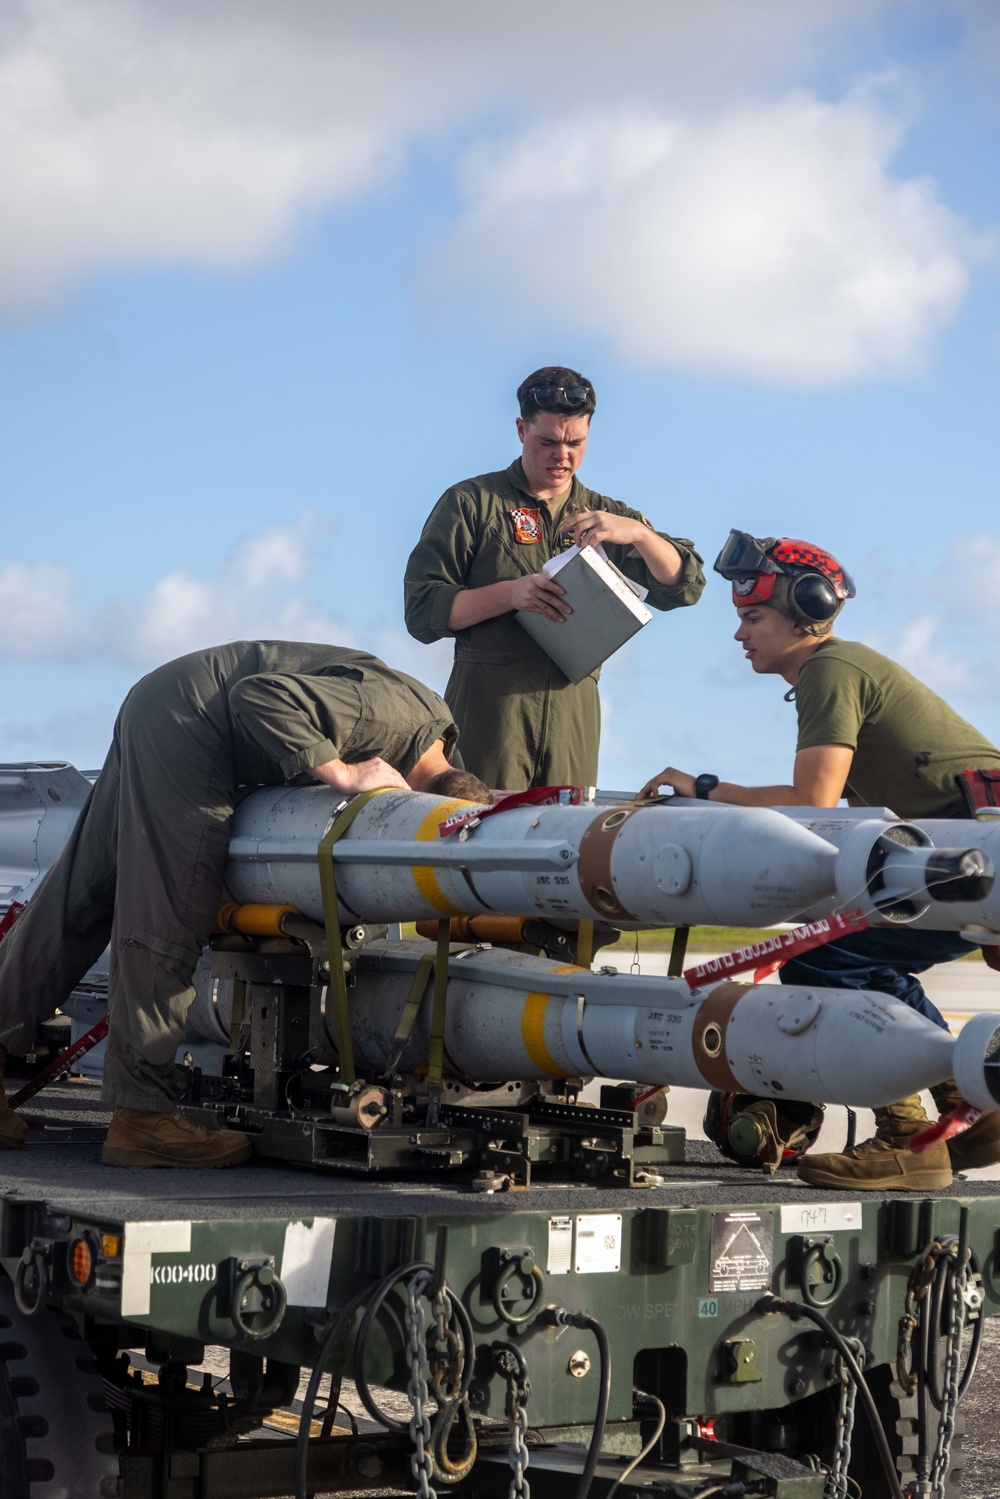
143,867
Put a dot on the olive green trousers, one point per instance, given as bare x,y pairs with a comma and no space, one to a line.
143,870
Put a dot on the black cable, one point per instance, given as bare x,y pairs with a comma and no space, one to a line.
948,1269
558,1316
796,1309
930,1329
337,1328
461,1315
361,1342
334,1405
647,1447
975,1348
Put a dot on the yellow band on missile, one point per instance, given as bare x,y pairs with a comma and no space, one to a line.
424,877
533,1036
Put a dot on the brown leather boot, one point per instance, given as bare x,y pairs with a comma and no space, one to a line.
140,1138
977,1146
885,1163
13,1130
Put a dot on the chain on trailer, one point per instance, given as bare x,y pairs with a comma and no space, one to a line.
944,1298
421,1464
509,1362
838,1484
440,1359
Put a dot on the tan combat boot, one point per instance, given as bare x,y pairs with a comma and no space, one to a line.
979,1145
885,1163
138,1138
13,1130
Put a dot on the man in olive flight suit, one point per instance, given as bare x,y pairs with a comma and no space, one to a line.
144,864
479,559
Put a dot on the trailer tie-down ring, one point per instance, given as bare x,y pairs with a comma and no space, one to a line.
271,1301
525,1266
821,1255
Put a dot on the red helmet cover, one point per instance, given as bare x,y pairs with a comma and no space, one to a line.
755,590
802,554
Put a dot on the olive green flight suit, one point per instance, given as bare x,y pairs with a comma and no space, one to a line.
523,722
144,865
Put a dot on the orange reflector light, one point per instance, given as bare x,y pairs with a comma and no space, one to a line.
111,1246
81,1261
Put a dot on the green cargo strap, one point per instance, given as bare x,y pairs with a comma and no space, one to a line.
410,1012
678,949
585,944
435,1057
238,1013
331,922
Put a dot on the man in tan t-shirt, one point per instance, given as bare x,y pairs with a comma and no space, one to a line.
870,731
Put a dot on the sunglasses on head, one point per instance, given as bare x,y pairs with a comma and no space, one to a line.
569,395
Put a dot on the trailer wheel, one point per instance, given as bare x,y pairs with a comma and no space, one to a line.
56,1435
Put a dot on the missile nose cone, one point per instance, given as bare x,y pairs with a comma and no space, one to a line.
977,1061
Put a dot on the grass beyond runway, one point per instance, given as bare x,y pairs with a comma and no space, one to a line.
713,939
701,939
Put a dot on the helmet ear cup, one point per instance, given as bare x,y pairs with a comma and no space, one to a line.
813,598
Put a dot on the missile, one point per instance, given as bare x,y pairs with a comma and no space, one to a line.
880,854
519,1017
39,805
627,863
635,864
640,864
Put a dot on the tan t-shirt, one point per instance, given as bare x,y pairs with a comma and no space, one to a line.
909,744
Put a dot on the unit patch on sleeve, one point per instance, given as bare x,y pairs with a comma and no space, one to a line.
527,526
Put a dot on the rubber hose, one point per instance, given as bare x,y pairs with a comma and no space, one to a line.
558,1316
361,1382
796,1309
309,1403
361,1342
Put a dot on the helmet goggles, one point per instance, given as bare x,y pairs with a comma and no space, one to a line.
743,556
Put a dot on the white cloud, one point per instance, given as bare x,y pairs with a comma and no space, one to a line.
948,641
920,645
41,613
770,241
134,132
256,594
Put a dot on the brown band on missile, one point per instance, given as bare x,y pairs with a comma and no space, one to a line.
594,865
708,1038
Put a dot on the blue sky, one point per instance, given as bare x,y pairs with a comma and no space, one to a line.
270,275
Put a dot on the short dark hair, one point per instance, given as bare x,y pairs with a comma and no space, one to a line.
556,375
459,783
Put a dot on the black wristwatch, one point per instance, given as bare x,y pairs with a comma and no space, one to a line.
704,784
